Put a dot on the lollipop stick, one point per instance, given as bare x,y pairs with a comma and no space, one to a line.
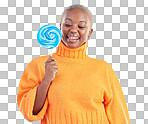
50,52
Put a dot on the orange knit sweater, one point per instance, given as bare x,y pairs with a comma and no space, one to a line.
85,90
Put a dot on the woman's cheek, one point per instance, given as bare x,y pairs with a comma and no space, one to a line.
64,33
85,33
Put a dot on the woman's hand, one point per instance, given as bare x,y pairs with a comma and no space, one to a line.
50,69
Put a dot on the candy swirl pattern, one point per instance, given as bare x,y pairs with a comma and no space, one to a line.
49,36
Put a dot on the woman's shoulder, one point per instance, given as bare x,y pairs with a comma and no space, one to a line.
39,60
97,61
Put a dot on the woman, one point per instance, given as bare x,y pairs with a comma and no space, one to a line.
70,87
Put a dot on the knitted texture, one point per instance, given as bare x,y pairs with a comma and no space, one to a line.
85,90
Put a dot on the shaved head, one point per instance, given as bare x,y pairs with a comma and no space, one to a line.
81,7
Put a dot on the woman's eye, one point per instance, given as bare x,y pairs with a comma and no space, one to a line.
67,25
81,27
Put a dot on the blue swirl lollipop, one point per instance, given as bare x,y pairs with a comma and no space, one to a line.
49,36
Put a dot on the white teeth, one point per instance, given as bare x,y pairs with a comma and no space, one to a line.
73,37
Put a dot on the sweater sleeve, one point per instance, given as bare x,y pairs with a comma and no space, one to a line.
27,90
115,103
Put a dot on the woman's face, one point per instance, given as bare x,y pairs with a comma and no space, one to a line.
75,27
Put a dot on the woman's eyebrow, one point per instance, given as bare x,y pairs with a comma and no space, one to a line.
68,19
84,21
71,20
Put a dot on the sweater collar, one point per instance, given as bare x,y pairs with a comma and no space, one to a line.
75,53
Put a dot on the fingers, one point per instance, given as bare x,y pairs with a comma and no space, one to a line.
50,59
54,66
52,63
56,71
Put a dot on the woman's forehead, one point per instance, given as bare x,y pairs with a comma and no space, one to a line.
76,14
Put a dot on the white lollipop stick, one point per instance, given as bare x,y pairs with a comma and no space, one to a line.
50,52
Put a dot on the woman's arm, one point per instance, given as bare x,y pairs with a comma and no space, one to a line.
27,90
50,70
115,103
41,95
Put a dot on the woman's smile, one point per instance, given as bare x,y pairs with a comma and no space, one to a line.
72,38
75,28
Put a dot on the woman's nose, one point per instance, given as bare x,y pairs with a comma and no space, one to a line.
74,29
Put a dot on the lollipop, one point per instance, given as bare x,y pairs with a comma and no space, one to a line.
49,36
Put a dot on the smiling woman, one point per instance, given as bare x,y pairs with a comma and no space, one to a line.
76,26
69,87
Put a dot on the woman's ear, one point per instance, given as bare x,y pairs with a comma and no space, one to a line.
60,26
90,32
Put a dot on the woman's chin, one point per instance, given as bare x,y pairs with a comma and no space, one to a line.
72,44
